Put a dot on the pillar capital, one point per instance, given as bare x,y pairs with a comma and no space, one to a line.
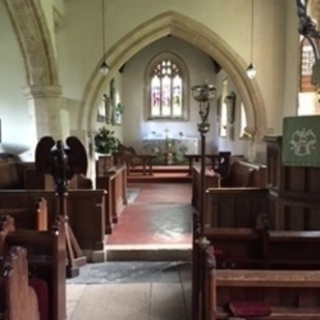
42,91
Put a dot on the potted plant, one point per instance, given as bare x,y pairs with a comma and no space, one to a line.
105,142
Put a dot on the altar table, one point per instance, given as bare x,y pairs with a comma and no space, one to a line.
170,150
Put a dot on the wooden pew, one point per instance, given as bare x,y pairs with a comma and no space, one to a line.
115,184
245,174
18,298
255,249
85,210
288,294
235,207
291,250
236,247
218,162
212,180
46,260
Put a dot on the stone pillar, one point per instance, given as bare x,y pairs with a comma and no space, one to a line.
45,110
314,11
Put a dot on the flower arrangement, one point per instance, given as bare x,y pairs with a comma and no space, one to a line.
105,142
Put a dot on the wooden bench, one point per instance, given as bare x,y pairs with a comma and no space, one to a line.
291,249
290,294
264,249
115,184
219,162
23,175
18,298
234,207
46,261
244,174
212,180
85,210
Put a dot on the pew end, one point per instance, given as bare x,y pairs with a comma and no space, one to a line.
20,297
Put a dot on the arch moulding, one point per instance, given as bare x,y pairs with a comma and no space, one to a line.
35,41
197,35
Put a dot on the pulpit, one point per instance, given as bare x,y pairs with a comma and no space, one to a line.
170,150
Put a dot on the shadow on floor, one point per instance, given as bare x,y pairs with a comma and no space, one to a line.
133,272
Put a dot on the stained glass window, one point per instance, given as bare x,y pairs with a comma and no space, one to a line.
166,90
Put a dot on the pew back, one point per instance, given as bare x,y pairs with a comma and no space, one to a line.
83,206
235,207
290,294
47,260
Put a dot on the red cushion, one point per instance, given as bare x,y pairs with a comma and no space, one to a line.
41,289
249,309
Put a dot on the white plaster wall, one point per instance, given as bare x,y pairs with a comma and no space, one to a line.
118,129
200,68
79,40
269,56
236,146
291,76
17,125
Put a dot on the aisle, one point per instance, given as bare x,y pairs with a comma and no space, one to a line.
154,228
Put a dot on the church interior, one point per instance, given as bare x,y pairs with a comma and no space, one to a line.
160,159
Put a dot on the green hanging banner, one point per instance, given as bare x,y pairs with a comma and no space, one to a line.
301,141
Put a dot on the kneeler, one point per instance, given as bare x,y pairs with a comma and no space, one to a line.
255,310
42,291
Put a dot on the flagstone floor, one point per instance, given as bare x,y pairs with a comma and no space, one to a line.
160,214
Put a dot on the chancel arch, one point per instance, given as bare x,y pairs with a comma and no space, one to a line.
185,28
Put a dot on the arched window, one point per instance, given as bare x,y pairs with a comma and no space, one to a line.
167,89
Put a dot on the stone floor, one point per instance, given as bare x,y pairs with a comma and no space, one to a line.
158,216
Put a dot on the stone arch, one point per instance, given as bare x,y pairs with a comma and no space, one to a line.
173,23
35,41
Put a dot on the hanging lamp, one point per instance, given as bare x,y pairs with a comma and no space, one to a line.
251,70
104,68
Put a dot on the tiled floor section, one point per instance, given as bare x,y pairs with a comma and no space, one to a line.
159,215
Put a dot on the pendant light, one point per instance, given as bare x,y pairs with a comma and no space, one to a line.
251,70
104,68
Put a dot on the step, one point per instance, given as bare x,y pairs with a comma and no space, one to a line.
157,178
166,252
157,168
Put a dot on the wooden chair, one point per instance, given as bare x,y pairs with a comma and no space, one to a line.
131,158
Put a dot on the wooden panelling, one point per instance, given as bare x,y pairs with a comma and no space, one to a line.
115,183
294,191
85,210
236,207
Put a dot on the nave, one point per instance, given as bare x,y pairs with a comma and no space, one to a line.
148,283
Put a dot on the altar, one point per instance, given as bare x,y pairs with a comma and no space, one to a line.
170,150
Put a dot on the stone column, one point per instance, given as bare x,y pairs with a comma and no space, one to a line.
314,11
45,110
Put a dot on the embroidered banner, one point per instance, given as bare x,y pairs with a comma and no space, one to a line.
301,141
